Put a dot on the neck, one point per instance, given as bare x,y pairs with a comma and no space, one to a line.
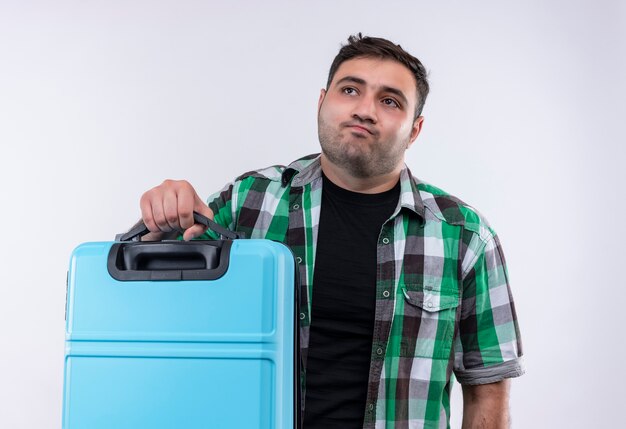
364,185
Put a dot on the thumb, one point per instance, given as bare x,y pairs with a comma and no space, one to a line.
197,229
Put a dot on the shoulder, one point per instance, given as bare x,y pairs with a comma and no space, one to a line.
450,209
272,173
279,173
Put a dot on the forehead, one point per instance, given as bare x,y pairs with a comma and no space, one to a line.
379,73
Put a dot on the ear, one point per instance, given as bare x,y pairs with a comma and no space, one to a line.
321,100
415,130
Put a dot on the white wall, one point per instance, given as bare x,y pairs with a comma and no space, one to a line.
101,100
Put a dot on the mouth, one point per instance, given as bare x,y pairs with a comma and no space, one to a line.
360,129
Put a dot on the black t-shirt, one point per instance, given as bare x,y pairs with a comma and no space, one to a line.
343,305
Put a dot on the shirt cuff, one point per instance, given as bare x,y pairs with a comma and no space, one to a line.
491,374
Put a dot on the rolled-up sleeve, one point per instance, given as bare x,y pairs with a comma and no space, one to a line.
487,347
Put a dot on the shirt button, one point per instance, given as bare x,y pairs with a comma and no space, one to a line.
299,260
385,240
386,294
296,206
371,407
302,316
379,351
429,305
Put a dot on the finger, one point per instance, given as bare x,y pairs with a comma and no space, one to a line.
197,230
158,213
186,199
170,209
146,213
152,236
201,207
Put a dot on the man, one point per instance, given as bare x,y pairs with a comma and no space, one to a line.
402,284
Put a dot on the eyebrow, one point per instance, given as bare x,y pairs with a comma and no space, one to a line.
384,88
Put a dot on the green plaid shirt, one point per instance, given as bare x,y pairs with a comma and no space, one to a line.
443,301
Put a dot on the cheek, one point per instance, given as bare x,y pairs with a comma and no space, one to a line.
329,118
405,128
334,108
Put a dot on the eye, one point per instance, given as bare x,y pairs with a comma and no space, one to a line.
349,90
391,102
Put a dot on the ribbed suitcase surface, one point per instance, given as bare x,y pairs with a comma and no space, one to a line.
174,351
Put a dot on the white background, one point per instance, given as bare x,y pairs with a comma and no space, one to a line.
101,100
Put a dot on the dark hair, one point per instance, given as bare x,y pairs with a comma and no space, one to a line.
376,47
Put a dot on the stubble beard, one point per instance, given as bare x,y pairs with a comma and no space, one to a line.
360,159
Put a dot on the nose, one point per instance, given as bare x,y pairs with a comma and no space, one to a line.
365,109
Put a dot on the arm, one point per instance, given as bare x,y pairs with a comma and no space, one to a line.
486,406
488,349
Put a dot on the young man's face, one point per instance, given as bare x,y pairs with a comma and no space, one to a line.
366,117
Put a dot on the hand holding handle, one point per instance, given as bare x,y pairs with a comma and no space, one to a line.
140,230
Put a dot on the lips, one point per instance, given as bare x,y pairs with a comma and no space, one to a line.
358,127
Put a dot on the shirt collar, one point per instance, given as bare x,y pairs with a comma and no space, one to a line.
305,170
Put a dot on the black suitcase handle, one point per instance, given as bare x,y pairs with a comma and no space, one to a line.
140,230
169,260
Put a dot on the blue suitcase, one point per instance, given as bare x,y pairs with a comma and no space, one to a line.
176,334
